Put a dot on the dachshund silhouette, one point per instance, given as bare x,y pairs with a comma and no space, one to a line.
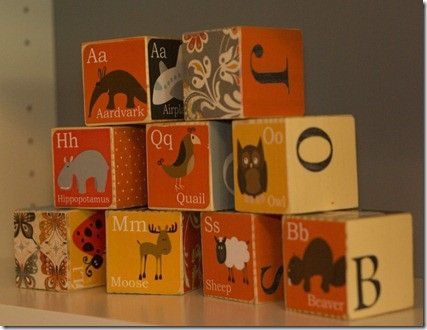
317,260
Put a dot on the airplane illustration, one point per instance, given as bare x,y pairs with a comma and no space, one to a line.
169,83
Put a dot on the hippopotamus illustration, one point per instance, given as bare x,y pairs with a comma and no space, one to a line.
117,81
88,164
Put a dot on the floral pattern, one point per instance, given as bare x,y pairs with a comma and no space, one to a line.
52,223
212,88
195,41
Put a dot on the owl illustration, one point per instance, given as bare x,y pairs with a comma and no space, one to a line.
251,169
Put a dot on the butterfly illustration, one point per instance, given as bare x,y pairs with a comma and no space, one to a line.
52,223
56,275
22,222
24,273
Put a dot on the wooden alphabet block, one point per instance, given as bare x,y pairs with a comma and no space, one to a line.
103,167
348,264
153,252
295,164
190,166
243,72
242,257
59,250
132,80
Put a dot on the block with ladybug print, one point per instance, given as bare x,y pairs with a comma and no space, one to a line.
348,264
242,256
189,166
243,72
153,252
99,168
132,80
59,250
294,165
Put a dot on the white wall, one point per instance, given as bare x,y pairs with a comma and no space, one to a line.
27,109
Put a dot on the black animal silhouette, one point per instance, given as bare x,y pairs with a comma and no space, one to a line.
317,260
251,169
117,81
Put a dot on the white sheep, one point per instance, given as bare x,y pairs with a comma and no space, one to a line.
233,253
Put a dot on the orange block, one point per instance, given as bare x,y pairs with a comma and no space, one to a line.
189,166
102,167
132,80
243,72
242,257
348,264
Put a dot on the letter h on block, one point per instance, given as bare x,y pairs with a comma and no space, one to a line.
348,264
99,168
242,257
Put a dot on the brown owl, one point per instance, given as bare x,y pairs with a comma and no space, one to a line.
251,169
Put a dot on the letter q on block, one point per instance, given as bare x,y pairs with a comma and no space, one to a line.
307,163
351,266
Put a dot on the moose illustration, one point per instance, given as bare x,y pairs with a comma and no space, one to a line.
162,247
233,253
88,164
117,81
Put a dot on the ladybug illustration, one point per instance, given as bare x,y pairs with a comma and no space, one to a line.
89,237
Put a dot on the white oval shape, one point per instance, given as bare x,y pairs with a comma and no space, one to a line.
314,149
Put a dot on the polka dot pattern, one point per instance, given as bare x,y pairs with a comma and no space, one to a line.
130,166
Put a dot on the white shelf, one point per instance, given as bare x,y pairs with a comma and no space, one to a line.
95,307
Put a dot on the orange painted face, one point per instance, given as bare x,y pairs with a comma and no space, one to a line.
315,269
82,167
178,166
227,255
272,71
114,82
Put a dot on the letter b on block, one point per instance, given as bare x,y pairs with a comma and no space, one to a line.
354,264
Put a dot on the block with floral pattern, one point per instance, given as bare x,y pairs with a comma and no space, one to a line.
243,72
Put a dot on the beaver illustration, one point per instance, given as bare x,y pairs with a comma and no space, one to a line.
317,260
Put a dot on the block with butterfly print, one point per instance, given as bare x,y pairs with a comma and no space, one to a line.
299,164
243,72
59,250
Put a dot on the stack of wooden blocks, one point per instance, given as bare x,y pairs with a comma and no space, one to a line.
234,175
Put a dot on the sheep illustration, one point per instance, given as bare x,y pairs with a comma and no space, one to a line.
233,253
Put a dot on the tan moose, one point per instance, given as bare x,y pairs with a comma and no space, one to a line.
162,247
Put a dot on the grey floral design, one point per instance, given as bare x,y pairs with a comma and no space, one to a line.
212,85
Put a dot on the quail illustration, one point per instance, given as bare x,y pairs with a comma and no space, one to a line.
185,160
